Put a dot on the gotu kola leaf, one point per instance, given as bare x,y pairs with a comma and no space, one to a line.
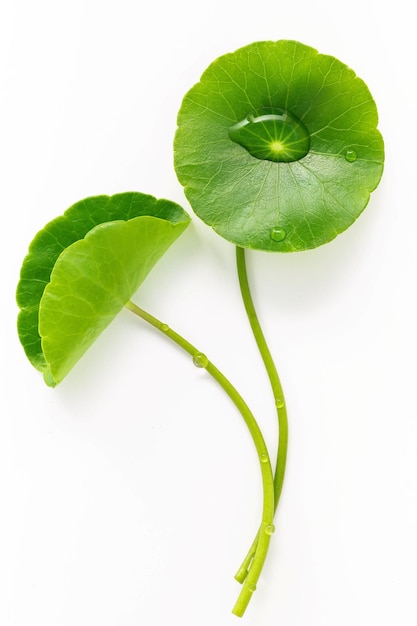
83,267
277,146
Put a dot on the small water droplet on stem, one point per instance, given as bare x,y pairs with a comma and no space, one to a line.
165,328
200,360
264,458
270,529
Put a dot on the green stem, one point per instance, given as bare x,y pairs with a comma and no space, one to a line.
267,528
278,397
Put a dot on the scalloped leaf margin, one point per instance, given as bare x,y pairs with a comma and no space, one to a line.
83,267
248,200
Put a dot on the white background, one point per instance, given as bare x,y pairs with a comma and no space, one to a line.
130,493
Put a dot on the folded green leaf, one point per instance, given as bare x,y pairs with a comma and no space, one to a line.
277,146
81,270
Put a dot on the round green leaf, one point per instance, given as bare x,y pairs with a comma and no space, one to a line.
277,146
81,270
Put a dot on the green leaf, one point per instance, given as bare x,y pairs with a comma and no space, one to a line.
81,270
277,146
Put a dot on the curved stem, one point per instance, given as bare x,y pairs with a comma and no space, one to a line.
278,397
267,528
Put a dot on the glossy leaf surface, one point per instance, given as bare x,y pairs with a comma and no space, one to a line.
81,270
244,158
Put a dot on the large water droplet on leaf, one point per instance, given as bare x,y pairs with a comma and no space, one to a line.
272,134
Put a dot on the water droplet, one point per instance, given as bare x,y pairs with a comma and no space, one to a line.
200,360
165,328
279,403
264,458
272,134
270,529
251,587
351,156
278,234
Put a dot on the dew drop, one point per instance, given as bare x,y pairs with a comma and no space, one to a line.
165,328
200,360
350,156
251,587
278,234
264,458
279,403
270,529
272,134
